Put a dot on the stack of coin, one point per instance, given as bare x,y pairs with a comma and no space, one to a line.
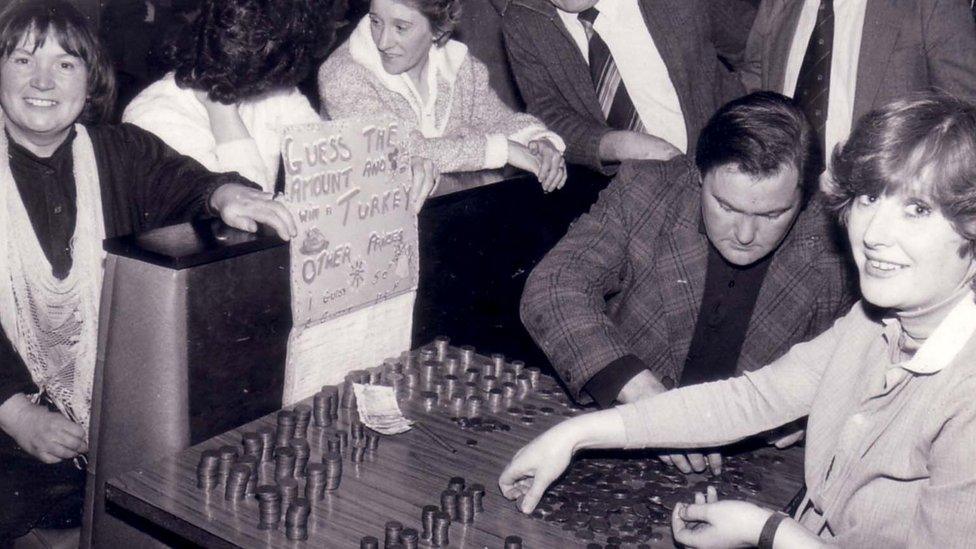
251,463
467,355
302,450
473,406
472,375
289,491
303,416
488,382
442,526
427,355
466,508
332,394
392,533
440,345
427,515
333,470
267,435
315,484
452,384
284,462
358,451
410,538
269,506
372,440
252,444
511,375
518,366
513,542
508,391
369,542
332,442
357,432
498,361
495,399
449,503
456,484
228,456
208,470
240,475
296,519
286,427
428,373
452,366
523,384
535,375
322,410
478,493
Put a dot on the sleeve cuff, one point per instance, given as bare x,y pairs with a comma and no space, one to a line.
496,151
633,422
607,383
217,182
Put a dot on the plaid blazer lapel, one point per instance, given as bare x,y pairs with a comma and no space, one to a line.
681,272
790,287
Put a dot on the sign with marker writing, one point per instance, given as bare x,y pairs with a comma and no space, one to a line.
347,183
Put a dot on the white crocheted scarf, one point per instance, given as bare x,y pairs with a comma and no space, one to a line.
53,323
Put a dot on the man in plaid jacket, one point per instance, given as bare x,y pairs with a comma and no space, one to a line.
683,273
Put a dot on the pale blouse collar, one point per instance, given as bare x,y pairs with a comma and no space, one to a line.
945,341
443,62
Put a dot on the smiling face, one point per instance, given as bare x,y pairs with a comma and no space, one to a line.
42,92
403,36
746,217
907,253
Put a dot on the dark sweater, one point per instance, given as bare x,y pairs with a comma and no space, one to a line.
144,183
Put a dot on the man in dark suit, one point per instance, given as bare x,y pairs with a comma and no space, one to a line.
619,80
872,52
683,273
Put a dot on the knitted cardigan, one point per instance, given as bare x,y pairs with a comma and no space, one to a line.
463,126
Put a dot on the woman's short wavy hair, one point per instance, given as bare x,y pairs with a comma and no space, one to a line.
443,16
60,21
240,49
924,146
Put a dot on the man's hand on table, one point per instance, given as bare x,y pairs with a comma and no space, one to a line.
645,385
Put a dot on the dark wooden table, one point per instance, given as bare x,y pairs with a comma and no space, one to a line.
394,482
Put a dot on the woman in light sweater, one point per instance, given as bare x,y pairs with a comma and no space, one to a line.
400,61
233,85
888,389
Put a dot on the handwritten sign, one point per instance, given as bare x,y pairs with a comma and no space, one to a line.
347,183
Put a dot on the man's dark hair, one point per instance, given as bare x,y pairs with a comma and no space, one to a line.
240,49
759,133
60,21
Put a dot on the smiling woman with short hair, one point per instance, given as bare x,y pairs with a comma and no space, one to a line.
401,61
888,389
66,184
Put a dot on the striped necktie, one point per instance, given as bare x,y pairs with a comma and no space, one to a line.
615,102
813,83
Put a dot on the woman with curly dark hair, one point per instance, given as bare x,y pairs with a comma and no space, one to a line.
233,84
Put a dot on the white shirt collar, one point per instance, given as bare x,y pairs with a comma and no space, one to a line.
946,341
